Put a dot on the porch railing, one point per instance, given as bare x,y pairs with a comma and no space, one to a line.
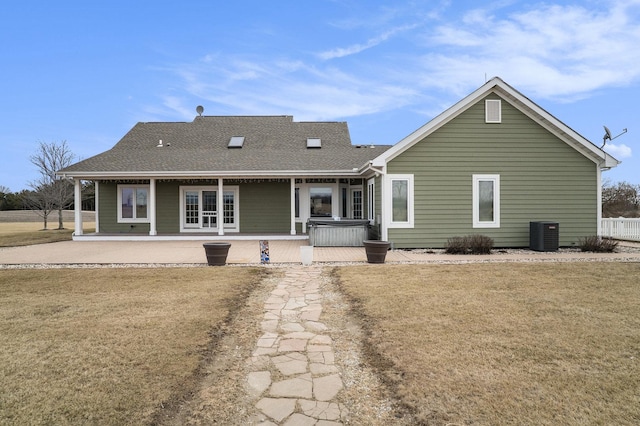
622,228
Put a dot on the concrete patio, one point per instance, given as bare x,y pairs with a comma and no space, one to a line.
248,252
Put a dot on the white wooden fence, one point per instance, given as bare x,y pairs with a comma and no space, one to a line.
622,228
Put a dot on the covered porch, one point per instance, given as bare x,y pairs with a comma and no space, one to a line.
217,208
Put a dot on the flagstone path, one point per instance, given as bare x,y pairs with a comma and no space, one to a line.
293,374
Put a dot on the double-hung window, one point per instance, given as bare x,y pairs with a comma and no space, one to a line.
486,201
133,203
400,200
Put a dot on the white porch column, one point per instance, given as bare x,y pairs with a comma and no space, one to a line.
293,206
77,206
220,207
152,207
599,201
97,203
384,203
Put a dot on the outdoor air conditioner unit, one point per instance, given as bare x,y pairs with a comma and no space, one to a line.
544,236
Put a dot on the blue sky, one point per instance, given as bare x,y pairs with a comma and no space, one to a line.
86,72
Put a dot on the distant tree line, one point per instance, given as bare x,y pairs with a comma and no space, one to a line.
621,199
17,200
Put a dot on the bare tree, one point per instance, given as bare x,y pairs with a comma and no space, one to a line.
621,199
51,192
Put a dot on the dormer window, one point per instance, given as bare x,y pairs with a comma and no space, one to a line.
314,143
236,142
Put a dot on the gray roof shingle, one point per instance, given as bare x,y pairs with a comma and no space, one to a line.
273,145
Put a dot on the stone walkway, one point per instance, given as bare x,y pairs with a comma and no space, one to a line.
293,377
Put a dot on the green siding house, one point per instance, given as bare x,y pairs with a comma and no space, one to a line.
489,165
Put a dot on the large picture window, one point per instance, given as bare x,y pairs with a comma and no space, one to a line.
320,202
486,201
133,203
400,200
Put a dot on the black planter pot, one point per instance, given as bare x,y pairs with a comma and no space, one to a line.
216,253
376,250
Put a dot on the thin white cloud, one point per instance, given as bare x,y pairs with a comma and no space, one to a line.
341,52
243,87
620,151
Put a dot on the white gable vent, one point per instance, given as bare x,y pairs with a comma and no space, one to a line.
314,143
236,142
493,111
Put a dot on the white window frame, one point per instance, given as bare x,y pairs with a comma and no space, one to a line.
135,194
495,179
389,179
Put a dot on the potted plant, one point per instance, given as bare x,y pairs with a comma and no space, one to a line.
216,253
376,250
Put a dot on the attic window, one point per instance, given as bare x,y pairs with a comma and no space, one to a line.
236,142
314,143
493,111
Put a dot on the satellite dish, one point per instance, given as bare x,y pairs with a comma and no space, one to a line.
199,110
607,135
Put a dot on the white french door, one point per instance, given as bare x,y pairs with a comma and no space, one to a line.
199,210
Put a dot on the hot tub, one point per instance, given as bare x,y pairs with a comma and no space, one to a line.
337,233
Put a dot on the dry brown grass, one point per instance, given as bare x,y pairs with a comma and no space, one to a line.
495,344
14,234
108,346
24,228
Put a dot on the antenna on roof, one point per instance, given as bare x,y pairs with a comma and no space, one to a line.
200,110
607,135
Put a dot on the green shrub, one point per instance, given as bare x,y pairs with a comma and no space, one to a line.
471,244
598,244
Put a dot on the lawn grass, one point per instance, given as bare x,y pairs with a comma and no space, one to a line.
493,344
14,234
25,227
108,346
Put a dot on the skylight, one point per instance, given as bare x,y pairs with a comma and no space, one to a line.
236,142
314,143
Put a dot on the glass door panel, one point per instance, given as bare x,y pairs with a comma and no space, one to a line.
356,203
192,209
229,209
209,209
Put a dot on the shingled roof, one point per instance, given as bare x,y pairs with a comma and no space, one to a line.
273,146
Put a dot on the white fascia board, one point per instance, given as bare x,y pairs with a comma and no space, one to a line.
201,174
610,162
